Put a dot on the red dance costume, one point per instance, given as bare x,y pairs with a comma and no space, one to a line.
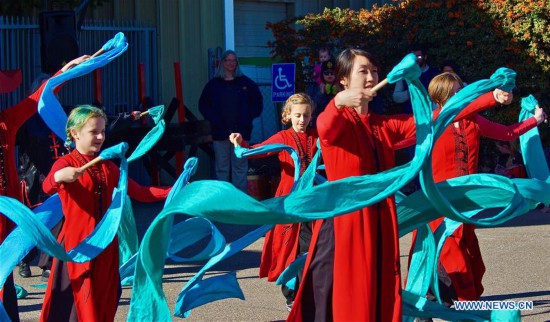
352,271
95,285
456,154
281,242
11,120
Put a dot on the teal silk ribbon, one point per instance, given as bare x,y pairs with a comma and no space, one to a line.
530,144
220,201
49,106
153,136
127,231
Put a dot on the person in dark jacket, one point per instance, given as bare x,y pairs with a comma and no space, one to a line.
230,101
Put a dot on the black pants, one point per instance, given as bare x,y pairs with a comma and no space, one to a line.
304,239
317,293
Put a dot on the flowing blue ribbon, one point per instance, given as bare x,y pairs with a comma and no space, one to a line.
49,106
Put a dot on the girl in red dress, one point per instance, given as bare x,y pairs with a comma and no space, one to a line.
86,291
284,243
352,272
455,154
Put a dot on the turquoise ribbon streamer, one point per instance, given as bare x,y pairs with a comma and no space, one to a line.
531,145
20,292
288,276
127,231
153,136
49,106
18,244
197,291
147,265
220,201
420,280
128,243
504,78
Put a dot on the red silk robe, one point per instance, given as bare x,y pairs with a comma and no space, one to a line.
366,284
95,284
455,154
11,119
281,242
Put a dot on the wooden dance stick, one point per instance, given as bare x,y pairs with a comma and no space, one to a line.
97,53
380,85
89,164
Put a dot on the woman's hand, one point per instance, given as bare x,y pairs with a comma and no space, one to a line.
353,97
75,62
236,138
540,115
68,175
503,97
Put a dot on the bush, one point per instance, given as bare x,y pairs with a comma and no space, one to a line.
480,35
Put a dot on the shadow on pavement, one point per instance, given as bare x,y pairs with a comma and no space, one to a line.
532,218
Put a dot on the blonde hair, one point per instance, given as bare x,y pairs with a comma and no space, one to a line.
298,98
441,87
78,118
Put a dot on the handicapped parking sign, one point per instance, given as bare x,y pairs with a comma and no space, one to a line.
283,81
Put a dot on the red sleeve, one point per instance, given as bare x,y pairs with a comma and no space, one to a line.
276,138
481,103
146,194
502,132
60,86
402,127
329,123
49,185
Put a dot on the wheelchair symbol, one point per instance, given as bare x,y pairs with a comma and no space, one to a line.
280,80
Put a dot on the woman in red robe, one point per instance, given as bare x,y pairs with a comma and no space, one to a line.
86,291
284,243
455,154
352,271
11,119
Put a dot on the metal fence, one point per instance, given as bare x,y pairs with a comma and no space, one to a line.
269,121
20,49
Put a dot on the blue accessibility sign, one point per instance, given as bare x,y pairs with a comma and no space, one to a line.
284,80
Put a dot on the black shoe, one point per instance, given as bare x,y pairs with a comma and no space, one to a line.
24,270
45,275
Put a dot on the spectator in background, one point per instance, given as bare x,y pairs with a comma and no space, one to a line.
401,91
509,162
326,90
450,66
324,55
230,102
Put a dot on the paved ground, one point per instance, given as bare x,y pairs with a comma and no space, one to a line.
516,256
